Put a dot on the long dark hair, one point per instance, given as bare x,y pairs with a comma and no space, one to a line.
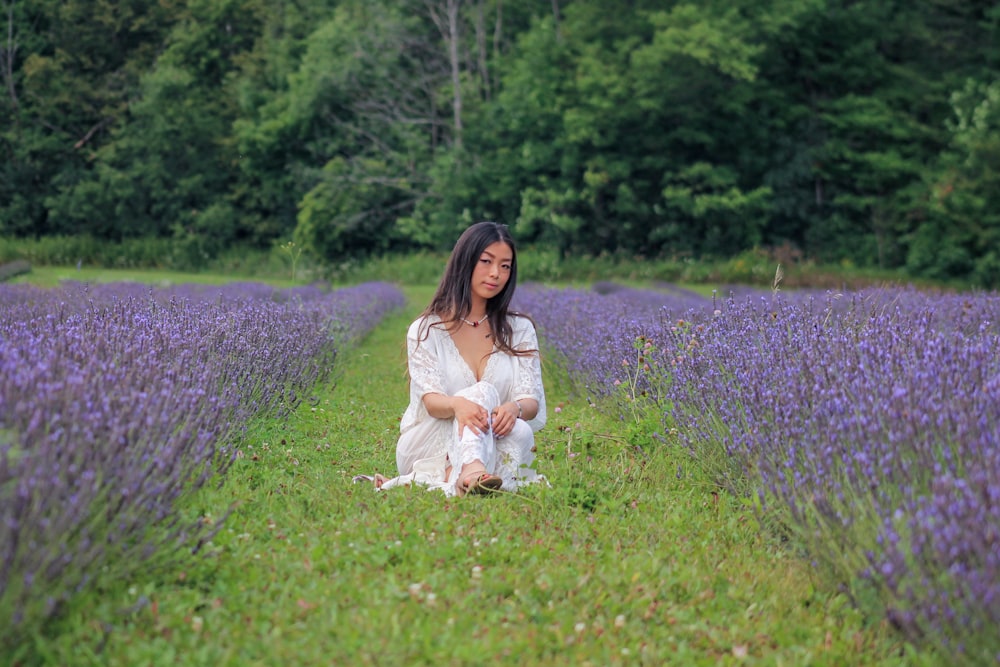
452,301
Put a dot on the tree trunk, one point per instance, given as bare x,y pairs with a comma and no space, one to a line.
447,25
456,79
7,54
497,31
484,71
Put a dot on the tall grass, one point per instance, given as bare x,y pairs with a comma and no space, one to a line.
540,264
157,253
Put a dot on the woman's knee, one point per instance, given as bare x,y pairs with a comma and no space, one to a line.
521,431
482,393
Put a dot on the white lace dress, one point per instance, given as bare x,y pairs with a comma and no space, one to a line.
426,445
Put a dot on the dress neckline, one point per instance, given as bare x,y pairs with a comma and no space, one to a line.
468,367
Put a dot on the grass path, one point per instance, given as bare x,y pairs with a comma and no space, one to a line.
619,562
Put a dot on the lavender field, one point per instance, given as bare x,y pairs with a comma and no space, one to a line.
860,429
865,428
117,401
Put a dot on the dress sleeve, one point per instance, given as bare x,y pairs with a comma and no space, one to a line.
426,375
528,370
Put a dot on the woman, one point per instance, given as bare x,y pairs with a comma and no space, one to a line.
476,396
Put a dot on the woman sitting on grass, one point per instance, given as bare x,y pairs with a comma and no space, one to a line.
476,396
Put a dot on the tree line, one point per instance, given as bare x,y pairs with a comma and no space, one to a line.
848,131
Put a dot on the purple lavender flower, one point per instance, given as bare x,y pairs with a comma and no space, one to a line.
867,423
118,400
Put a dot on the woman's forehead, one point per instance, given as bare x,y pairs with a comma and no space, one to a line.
499,249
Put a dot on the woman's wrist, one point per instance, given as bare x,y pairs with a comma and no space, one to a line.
520,410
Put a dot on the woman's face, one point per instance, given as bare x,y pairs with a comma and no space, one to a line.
492,271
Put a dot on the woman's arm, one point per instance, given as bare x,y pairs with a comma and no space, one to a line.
528,389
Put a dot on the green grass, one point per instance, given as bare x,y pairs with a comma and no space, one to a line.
51,276
148,257
621,561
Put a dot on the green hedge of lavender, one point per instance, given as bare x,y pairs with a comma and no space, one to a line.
118,400
865,426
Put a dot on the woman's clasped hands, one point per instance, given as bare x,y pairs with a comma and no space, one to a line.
504,418
470,414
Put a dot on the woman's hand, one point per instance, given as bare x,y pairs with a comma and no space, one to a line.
504,418
470,415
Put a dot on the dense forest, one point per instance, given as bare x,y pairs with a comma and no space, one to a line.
845,131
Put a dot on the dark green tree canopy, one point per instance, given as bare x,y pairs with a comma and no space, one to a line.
852,132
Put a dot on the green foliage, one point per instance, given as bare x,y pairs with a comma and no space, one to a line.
89,251
71,255
707,200
714,37
70,71
344,213
371,111
961,235
668,130
536,263
557,153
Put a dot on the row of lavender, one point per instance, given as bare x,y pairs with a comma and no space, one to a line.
117,400
868,423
